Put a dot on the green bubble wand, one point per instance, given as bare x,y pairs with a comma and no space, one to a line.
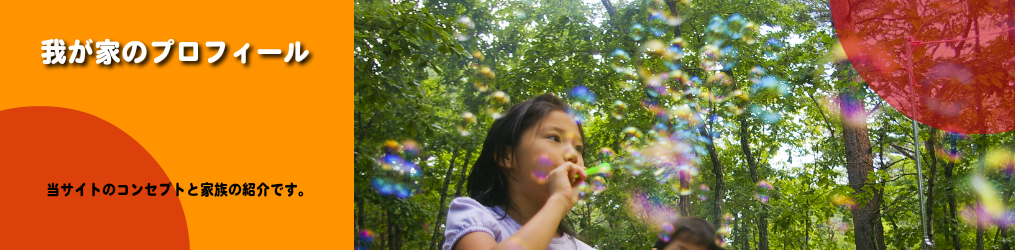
603,168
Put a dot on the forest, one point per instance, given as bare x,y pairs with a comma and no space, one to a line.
768,130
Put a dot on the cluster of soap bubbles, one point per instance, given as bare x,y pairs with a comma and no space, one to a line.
466,123
483,73
668,84
719,53
465,27
659,20
601,170
596,182
668,150
725,230
395,173
498,101
653,211
581,100
669,158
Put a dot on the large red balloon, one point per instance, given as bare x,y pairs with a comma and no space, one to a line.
962,52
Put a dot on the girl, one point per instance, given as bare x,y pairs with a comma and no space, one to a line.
690,233
524,182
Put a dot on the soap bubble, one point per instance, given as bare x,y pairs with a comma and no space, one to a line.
598,184
665,231
843,201
677,46
703,192
499,104
728,57
543,167
710,57
637,32
466,22
619,60
391,147
410,148
749,33
656,6
990,210
771,49
583,190
734,24
481,86
725,230
365,238
619,110
582,94
486,72
764,189
464,127
757,72
716,24
606,154
657,24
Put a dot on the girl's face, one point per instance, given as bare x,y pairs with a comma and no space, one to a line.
546,145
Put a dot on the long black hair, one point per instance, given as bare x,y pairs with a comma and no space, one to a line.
488,183
702,233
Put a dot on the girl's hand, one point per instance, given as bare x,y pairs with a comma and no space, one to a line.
562,182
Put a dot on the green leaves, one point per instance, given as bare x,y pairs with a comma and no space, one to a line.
414,79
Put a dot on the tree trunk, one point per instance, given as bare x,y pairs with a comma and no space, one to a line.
359,213
979,236
441,213
720,185
931,145
465,168
807,229
684,204
391,234
744,231
869,232
674,13
609,8
952,205
1011,22
384,236
980,149
1003,231
752,164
